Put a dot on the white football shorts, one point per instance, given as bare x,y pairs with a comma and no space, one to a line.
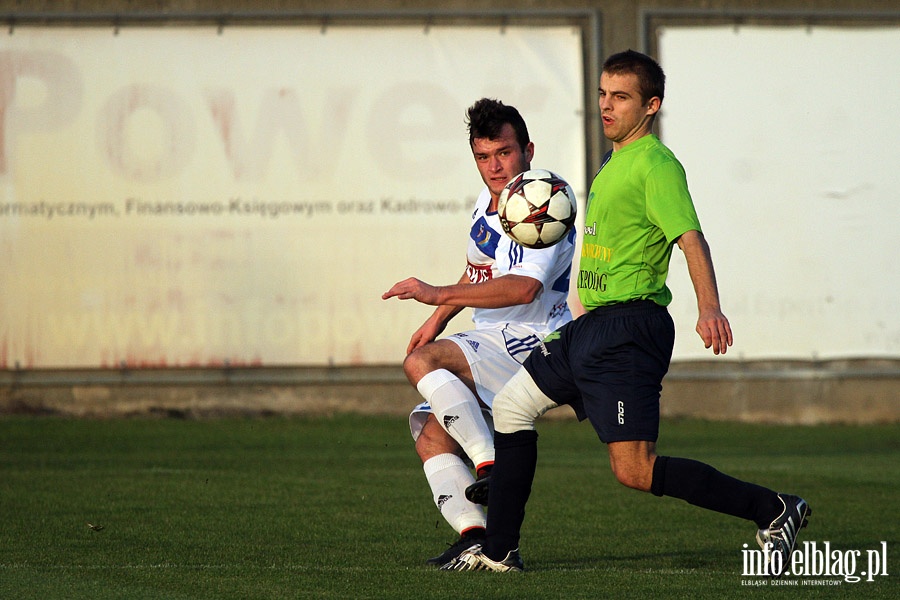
494,355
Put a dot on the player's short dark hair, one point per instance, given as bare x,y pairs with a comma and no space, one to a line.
651,79
486,118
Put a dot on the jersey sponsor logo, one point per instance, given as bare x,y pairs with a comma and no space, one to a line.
589,280
597,251
479,273
484,237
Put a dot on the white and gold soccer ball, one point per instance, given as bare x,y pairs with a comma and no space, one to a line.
537,208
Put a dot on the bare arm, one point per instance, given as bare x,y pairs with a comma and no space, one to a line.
508,290
712,326
451,299
444,313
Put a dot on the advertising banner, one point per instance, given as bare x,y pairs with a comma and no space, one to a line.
790,154
196,196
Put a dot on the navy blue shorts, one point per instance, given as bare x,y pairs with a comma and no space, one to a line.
608,365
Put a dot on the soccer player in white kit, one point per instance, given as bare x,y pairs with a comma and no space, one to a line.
518,296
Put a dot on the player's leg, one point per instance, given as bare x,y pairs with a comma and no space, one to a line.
625,413
779,517
632,463
493,356
448,476
516,408
441,373
636,465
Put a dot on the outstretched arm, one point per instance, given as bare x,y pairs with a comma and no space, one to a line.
712,326
508,290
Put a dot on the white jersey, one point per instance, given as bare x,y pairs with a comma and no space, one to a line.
491,253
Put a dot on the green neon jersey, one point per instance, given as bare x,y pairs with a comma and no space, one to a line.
638,206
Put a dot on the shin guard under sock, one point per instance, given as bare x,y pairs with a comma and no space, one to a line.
458,412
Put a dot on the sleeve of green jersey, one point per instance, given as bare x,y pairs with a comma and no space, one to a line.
669,203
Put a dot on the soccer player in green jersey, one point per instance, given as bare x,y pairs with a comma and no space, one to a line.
608,365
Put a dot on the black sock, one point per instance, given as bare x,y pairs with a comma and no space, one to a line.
515,461
701,485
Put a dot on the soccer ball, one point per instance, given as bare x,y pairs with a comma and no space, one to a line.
537,208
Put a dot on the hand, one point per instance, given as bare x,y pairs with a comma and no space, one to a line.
715,331
414,289
425,334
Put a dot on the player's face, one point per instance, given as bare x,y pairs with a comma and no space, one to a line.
500,159
624,114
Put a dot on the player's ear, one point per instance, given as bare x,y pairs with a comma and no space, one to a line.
653,105
529,152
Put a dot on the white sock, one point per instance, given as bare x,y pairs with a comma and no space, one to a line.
449,477
458,412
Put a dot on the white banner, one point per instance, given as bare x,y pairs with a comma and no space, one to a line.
180,196
789,138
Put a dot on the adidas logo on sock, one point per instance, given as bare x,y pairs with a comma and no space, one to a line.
443,499
448,420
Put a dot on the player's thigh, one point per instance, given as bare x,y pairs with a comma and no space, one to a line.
621,375
519,404
494,355
440,354
552,368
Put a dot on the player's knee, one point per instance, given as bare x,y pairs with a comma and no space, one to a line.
519,404
415,365
630,480
427,359
634,478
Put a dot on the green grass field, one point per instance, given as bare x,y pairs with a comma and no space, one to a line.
339,508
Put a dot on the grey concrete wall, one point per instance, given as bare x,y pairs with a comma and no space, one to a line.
857,392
